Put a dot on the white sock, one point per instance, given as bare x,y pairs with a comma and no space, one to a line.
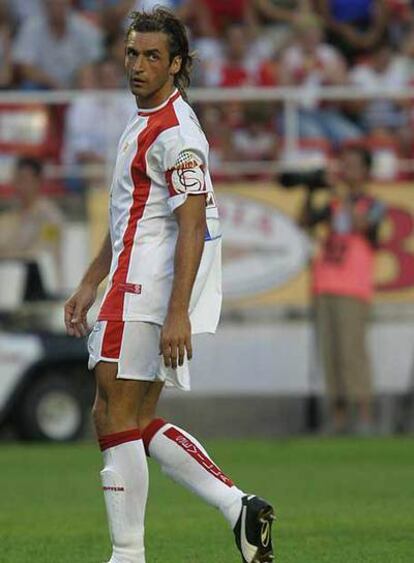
125,484
185,460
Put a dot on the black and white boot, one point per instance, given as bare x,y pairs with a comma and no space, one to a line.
253,530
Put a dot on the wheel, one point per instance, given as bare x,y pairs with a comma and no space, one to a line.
54,407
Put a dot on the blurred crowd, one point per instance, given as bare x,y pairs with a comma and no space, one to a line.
79,44
55,45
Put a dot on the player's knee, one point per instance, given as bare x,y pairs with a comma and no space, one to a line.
146,414
111,413
120,413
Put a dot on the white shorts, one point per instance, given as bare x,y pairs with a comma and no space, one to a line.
134,346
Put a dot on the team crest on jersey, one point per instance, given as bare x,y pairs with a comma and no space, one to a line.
187,175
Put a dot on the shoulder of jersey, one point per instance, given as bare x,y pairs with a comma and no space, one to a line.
186,133
187,119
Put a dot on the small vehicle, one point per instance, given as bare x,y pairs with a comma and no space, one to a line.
46,390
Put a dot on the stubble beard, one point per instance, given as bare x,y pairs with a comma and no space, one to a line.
151,93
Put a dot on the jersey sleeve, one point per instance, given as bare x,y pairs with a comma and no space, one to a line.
184,167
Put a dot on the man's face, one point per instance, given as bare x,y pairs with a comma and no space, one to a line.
353,169
149,71
57,10
27,183
382,59
311,37
236,42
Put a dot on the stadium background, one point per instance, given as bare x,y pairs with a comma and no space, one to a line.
264,108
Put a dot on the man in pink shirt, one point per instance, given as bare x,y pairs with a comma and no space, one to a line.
343,285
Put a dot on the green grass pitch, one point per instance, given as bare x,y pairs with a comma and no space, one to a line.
338,501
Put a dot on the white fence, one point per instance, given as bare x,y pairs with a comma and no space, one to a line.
290,100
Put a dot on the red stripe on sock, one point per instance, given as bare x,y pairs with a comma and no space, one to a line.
111,440
150,431
186,444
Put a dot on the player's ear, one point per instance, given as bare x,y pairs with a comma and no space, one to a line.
175,66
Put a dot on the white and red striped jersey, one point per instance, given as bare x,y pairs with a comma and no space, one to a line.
162,158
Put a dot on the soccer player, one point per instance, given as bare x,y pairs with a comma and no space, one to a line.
163,256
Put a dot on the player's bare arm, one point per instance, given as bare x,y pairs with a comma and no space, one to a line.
78,305
176,332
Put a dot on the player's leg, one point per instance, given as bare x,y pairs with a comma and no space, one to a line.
125,473
186,461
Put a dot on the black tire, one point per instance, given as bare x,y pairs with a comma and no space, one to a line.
54,407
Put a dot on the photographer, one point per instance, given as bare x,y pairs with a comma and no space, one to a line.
342,283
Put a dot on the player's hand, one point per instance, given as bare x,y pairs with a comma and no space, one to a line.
175,339
76,310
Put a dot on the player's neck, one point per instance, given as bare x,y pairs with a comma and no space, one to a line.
157,98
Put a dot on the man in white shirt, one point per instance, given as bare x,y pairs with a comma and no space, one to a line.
384,71
94,123
50,49
31,230
310,63
163,259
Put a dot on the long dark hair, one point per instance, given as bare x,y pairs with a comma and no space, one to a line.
162,20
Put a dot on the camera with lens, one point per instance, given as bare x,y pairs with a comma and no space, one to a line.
315,179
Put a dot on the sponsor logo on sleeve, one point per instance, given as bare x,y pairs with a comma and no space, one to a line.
187,175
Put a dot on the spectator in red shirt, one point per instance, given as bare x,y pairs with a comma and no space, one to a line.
238,64
217,18
236,70
222,14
